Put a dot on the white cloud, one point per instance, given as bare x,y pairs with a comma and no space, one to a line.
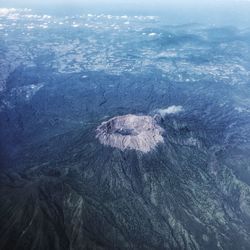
6,11
152,34
170,110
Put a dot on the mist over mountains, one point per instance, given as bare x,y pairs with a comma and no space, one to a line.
220,12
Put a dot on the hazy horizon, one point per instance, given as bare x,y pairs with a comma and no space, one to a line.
233,12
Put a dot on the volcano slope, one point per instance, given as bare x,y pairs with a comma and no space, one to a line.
62,187
69,191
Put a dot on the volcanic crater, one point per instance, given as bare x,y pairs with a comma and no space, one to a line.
138,132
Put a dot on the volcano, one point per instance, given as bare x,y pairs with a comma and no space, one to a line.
123,133
140,133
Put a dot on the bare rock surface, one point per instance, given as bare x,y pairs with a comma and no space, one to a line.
137,132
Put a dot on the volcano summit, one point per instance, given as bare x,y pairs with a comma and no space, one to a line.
137,132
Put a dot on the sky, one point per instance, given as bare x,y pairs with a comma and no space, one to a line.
229,11
122,2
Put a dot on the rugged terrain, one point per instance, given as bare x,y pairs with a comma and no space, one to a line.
64,77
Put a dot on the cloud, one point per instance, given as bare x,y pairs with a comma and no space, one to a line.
170,110
122,2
